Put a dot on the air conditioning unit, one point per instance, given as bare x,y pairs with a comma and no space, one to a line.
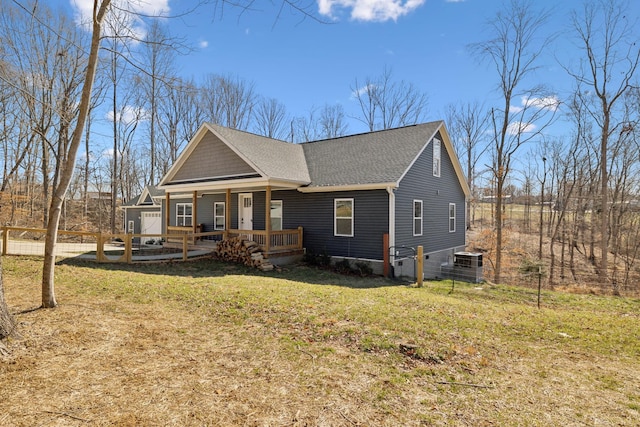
467,266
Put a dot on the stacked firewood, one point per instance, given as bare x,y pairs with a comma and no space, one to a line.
240,250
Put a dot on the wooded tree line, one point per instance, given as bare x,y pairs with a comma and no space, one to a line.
152,112
589,174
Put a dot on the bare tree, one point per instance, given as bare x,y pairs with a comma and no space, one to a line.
270,118
71,138
158,54
514,51
180,114
611,49
386,103
467,125
305,128
69,156
332,121
228,101
319,123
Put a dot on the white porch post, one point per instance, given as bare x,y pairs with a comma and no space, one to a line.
267,216
227,214
195,212
167,212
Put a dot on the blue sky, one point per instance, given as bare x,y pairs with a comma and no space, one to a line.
305,63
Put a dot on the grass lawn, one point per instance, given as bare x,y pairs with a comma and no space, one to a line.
209,344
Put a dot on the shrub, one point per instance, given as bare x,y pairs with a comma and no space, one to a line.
363,268
343,267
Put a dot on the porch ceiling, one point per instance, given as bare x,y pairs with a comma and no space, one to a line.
246,185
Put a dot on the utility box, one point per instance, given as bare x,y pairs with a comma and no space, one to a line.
467,266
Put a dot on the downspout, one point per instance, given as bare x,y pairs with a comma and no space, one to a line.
392,222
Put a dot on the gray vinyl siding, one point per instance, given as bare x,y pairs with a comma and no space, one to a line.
436,193
212,158
315,213
205,209
133,214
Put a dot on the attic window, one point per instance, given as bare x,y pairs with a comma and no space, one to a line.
436,157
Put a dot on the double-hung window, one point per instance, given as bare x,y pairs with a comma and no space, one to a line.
276,215
417,217
452,217
184,214
343,217
218,215
436,157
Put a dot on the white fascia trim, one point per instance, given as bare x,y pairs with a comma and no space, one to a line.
141,207
354,187
207,179
241,184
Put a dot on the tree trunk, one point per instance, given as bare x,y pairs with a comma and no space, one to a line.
604,204
499,201
68,163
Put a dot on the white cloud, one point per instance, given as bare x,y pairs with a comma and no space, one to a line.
203,44
551,103
516,128
128,114
370,10
83,10
362,91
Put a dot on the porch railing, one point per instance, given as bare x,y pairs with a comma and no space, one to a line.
176,233
129,247
280,240
101,247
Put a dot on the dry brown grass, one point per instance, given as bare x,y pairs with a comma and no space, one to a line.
169,345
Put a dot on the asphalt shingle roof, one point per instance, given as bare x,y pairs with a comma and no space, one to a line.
272,157
369,158
380,157
153,192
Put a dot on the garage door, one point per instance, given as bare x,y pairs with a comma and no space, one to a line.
151,223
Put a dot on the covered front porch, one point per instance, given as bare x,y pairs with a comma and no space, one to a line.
227,215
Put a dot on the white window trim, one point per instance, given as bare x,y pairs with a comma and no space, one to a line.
452,217
279,202
335,217
184,216
416,217
437,157
215,216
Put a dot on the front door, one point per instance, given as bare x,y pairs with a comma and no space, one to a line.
245,211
